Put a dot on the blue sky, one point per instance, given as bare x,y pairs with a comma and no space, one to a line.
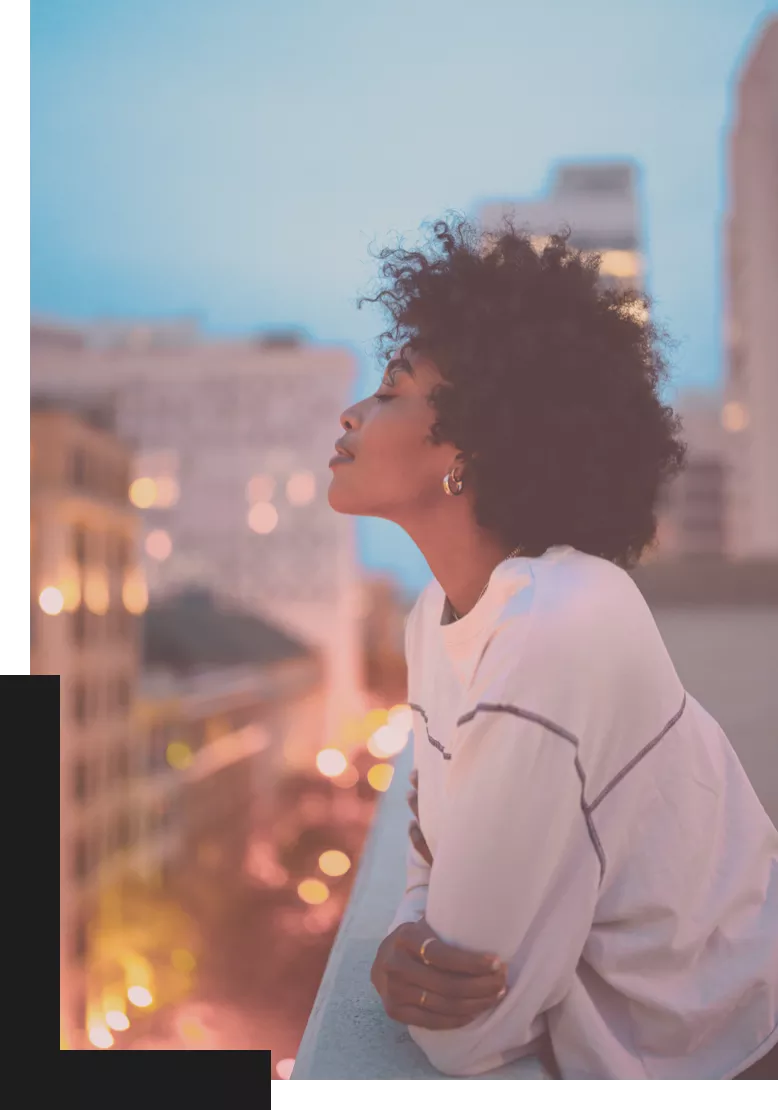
235,159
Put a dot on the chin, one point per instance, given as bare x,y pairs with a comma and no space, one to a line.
343,502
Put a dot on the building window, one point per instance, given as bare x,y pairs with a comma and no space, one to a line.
80,702
93,701
123,693
80,942
122,762
78,468
79,626
80,859
80,544
81,780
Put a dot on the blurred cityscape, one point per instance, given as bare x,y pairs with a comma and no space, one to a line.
233,680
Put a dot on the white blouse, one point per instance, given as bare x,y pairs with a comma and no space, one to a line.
590,824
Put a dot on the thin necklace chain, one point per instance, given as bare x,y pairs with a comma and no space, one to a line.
516,551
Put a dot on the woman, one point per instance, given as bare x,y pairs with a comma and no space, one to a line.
596,882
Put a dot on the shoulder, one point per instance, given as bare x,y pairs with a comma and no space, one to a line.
576,599
587,626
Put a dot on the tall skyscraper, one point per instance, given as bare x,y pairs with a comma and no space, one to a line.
750,412
232,441
598,201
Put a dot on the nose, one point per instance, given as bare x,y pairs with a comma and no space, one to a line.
349,419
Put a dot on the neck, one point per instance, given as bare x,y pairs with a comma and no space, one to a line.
460,554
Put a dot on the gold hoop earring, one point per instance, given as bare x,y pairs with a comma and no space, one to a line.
452,485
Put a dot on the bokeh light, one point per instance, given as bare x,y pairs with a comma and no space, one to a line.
159,545
260,488
100,1035
116,1020
313,891
301,488
167,493
96,593
183,961
380,776
135,594
334,863
284,1068
331,762
620,263
143,493
179,755
192,1030
349,778
387,741
373,720
734,417
263,517
140,996
400,715
70,588
51,601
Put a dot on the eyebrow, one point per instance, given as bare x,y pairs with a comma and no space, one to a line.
398,364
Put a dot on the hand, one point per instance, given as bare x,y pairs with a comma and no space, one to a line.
414,829
454,989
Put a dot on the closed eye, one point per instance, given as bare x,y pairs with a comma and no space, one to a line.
384,396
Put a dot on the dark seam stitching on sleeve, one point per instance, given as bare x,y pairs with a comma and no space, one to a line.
435,743
545,723
636,759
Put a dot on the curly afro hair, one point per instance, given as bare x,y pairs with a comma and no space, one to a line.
551,385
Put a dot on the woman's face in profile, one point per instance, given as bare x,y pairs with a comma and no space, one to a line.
395,471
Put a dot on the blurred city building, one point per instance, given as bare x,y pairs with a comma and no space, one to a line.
693,510
599,202
87,594
232,440
386,608
750,411
225,699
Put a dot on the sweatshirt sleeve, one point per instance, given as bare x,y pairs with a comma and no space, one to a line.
414,900
516,872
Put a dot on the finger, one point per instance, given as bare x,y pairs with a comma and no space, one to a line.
415,976
448,957
407,995
419,843
413,802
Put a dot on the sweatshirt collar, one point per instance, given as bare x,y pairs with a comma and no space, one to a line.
504,580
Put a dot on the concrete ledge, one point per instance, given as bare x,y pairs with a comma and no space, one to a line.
348,1035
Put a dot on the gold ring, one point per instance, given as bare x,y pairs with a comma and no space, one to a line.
423,949
423,999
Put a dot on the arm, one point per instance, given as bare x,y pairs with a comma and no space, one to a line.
414,900
516,873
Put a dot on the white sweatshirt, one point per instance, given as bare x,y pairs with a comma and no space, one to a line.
590,824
